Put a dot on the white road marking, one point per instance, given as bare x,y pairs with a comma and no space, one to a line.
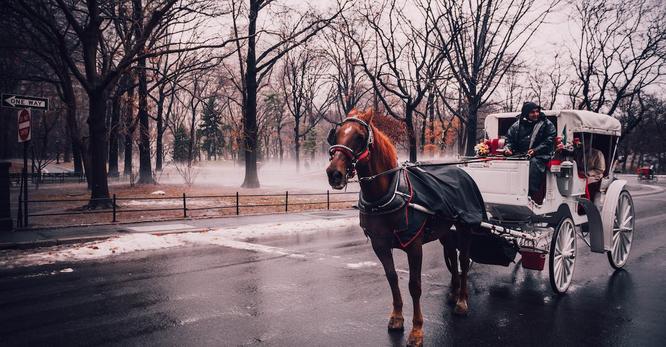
361,264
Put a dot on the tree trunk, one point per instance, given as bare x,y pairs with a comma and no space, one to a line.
297,144
113,136
159,145
471,129
411,135
129,132
192,142
424,124
67,153
72,122
250,116
145,170
99,197
77,155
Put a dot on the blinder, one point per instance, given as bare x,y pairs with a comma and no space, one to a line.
331,136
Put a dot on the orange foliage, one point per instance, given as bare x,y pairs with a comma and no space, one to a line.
394,129
430,150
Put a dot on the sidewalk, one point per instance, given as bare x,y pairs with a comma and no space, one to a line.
64,235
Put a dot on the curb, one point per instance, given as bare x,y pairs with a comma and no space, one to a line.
103,224
78,239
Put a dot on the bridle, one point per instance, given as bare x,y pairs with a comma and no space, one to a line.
353,156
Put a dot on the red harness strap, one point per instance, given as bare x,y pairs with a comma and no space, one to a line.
347,152
363,156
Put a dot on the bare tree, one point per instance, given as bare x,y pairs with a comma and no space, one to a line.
25,38
620,51
276,120
351,82
304,85
87,23
257,65
545,86
407,64
481,41
513,90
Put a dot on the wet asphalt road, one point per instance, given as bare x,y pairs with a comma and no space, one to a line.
325,295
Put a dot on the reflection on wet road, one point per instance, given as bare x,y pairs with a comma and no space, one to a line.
328,290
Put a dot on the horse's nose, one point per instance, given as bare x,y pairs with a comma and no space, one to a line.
334,177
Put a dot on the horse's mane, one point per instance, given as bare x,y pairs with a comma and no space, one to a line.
388,155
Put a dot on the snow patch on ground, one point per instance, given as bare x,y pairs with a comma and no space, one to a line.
286,228
228,237
361,264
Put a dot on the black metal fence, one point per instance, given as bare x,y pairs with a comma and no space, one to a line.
51,177
62,177
234,204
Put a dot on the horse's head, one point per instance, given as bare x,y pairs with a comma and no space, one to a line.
350,143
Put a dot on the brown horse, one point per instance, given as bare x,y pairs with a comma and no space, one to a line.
358,145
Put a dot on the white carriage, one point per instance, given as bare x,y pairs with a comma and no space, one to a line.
551,228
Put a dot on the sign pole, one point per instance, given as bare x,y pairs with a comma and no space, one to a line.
25,135
25,184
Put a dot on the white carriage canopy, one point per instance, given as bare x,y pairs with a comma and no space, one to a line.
572,120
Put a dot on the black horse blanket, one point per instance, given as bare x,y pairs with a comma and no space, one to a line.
446,190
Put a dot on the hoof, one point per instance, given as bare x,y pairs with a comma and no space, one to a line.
415,338
461,309
396,324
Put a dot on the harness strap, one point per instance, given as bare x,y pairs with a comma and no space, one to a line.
348,152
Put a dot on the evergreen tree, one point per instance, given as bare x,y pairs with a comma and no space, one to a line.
181,144
210,129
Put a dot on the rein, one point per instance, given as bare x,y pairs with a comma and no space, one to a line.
417,164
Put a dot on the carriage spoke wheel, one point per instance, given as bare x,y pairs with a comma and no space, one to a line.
562,260
623,231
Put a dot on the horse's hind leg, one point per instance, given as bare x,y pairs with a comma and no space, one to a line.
415,259
464,243
382,248
448,241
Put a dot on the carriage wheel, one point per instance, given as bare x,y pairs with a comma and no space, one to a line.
562,260
623,231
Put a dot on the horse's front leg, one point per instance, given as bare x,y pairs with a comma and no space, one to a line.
382,248
415,259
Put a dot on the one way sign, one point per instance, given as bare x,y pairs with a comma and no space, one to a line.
22,101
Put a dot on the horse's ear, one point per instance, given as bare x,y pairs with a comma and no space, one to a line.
331,137
369,114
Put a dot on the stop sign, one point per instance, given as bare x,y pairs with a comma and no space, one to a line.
24,133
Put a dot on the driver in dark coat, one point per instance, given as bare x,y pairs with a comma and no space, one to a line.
533,135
